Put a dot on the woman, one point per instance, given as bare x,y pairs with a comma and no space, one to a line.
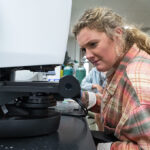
123,51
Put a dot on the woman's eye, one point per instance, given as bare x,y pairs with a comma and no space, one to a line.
83,51
93,44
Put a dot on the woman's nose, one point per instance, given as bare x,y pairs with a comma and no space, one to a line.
89,54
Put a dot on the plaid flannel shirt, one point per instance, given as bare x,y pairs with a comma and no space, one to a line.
125,106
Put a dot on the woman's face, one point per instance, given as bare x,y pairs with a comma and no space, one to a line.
99,48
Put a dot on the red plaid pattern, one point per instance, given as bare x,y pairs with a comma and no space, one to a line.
126,102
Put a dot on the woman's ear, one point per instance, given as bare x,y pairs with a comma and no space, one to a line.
118,32
118,40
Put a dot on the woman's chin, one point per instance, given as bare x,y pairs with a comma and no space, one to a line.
101,69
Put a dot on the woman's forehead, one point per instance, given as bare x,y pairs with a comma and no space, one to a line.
86,35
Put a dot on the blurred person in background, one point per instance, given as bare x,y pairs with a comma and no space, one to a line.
95,81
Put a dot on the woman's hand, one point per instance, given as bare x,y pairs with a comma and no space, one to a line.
98,87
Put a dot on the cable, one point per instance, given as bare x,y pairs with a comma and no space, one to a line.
82,106
85,110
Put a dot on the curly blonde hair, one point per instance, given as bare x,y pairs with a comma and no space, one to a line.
105,20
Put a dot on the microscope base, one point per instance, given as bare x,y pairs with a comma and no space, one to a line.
16,127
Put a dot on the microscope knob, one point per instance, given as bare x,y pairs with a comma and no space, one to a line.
69,87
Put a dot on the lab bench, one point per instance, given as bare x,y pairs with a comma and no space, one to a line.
73,134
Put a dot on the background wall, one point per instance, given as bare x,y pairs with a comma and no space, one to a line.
73,48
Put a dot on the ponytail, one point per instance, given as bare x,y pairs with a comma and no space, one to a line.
134,35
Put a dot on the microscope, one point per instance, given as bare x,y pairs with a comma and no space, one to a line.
33,36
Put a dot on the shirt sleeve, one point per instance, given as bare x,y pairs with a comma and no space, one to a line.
92,99
86,84
94,102
137,129
124,146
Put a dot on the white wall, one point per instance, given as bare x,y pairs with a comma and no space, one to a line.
73,48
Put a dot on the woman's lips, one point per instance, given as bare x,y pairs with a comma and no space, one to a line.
96,62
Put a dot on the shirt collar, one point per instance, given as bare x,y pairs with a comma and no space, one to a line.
133,51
